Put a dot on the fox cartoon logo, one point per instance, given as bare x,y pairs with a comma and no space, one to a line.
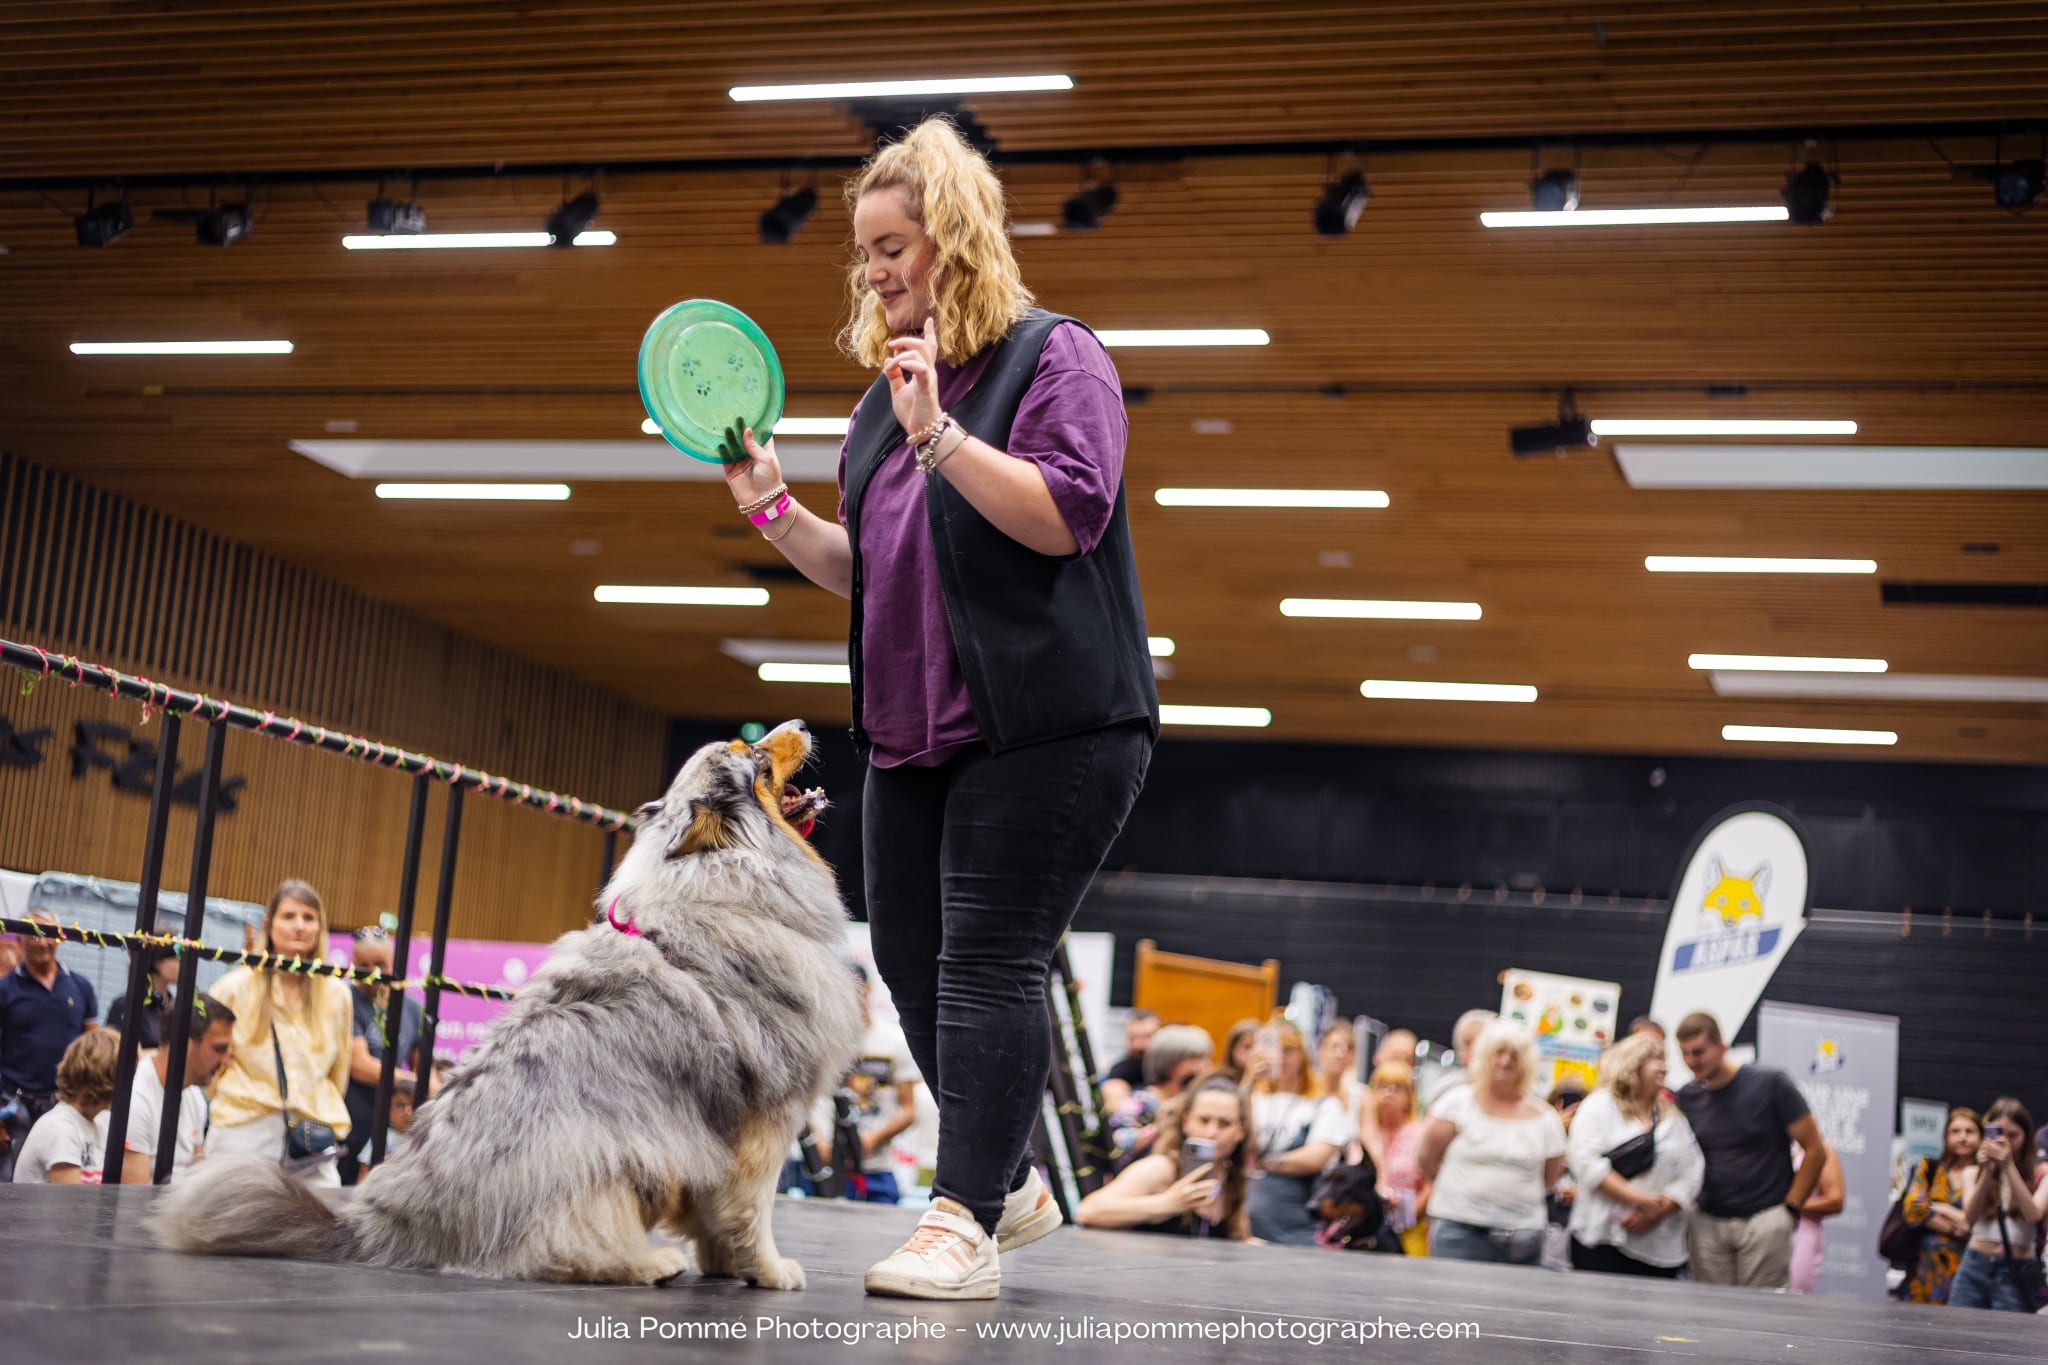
1730,899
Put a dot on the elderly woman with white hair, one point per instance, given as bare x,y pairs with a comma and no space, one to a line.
1493,1150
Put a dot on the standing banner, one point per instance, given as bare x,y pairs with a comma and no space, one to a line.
1572,1018
1847,1066
1739,906
465,1019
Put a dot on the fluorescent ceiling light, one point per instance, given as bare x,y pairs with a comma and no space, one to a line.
1248,717
475,492
1367,609
181,348
1784,663
457,241
806,673
666,596
1888,687
1187,336
1736,564
1161,646
1299,499
870,90
785,651
1837,466
1758,213
1388,689
788,426
1688,426
1034,229
630,458
1799,734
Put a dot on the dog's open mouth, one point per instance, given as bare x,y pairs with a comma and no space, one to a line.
801,808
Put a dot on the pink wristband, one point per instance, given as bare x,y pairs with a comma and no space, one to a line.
781,508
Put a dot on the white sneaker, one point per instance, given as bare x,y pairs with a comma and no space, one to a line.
1028,1214
948,1257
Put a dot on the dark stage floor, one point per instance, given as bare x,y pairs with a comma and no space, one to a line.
78,1283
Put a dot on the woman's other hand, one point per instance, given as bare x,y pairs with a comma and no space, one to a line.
752,470
913,373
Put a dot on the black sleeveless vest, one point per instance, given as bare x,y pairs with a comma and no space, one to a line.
1050,646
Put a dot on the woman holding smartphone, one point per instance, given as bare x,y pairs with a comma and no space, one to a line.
1192,1183
2004,1197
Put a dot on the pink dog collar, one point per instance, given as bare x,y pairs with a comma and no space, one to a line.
625,926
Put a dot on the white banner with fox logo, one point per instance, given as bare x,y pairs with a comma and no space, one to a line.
1740,906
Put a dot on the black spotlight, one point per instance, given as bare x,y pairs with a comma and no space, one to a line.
1554,192
1569,432
787,216
1343,200
103,224
2017,184
571,218
1806,194
223,225
1087,209
395,216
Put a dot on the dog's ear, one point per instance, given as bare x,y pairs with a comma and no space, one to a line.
707,830
648,810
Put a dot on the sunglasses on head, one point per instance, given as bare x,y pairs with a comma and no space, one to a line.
372,933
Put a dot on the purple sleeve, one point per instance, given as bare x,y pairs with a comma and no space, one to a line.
1071,424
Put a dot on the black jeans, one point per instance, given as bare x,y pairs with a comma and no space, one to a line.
974,870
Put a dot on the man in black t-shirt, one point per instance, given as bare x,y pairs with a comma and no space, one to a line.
1745,1119
1127,1075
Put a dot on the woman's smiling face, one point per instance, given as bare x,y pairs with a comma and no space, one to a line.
897,256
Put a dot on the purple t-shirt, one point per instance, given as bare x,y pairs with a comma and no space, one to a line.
1071,424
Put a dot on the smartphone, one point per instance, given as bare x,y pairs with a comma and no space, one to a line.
1196,1153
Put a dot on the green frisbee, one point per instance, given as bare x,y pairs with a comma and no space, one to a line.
703,365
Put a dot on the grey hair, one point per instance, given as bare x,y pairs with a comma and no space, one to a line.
1174,1044
1469,1025
1503,1034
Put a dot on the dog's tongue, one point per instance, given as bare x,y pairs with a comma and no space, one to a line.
790,798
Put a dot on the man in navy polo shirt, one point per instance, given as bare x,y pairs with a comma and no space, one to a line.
42,1009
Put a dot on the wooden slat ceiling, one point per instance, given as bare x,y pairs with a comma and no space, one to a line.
1916,311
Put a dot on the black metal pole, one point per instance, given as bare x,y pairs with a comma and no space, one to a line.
444,893
401,952
180,1022
611,849
1066,1103
1056,1187
145,923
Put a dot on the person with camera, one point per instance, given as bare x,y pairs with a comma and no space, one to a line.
281,1094
1193,1181
43,1010
2004,1197
1636,1165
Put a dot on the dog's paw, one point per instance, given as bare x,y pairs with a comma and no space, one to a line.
662,1264
783,1273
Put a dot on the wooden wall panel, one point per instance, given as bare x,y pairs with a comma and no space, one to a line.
97,576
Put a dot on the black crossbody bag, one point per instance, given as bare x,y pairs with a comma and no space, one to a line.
1631,1158
304,1140
2028,1275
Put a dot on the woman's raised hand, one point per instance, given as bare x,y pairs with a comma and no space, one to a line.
751,470
913,370
1191,1191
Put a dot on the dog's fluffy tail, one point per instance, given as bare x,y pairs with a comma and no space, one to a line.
250,1206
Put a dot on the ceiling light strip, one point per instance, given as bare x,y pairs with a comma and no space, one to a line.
871,90
1370,609
1740,564
665,595
1799,734
1739,213
181,348
1190,336
1393,689
782,672
1242,717
1294,499
1783,663
474,492
1689,426
461,241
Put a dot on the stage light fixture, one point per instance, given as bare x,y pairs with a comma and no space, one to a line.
1570,431
1554,192
786,217
2017,184
572,217
215,225
1086,210
400,217
103,224
1807,194
1336,213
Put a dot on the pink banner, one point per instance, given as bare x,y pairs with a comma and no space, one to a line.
483,962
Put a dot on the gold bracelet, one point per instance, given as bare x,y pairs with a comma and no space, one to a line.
790,517
759,504
926,433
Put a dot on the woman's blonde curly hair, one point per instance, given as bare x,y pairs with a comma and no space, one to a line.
954,195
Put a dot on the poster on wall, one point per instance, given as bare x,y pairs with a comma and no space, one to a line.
477,961
1847,1066
1572,1018
1739,906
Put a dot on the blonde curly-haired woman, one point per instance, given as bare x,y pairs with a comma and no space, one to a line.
1632,1224
1002,685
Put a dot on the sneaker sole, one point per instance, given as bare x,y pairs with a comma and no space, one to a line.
907,1287
1032,1226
